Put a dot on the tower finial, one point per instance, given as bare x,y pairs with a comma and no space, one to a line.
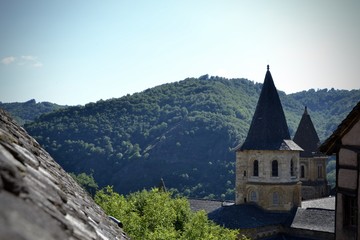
305,112
268,67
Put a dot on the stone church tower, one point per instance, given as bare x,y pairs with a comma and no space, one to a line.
312,163
267,164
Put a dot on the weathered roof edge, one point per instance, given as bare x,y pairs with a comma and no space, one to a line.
286,144
330,145
38,199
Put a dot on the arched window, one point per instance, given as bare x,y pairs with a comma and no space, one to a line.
292,172
256,168
253,196
302,171
276,198
274,169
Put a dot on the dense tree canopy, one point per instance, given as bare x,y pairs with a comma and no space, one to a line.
86,181
182,132
156,215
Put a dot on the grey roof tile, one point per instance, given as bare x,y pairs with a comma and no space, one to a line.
315,215
203,204
314,219
290,145
246,216
38,199
323,203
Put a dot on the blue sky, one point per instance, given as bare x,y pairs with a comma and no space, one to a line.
75,52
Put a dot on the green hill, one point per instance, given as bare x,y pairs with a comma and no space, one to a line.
182,132
26,112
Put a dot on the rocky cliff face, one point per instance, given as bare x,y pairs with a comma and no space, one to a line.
38,199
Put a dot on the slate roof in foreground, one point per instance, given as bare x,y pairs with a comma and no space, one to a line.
38,199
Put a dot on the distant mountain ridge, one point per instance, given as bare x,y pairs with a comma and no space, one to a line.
26,112
182,132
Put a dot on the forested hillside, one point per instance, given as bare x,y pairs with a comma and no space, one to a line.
182,132
26,112
327,107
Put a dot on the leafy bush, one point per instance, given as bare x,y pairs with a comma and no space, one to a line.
156,215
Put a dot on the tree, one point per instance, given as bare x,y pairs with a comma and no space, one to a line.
155,214
87,182
170,130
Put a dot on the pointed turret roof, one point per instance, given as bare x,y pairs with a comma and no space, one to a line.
268,128
306,136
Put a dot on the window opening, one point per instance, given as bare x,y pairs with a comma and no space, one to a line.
302,171
256,168
350,211
274,168
253,196
276,199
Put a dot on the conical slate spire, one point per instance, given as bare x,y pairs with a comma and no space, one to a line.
306,136
268,128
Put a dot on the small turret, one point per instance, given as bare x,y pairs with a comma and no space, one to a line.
306,136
